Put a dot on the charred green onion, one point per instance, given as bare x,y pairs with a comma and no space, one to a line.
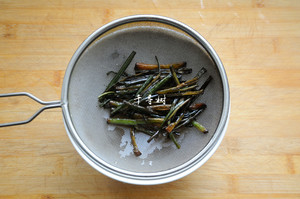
151,83
174,140
174,75
157,86
146,83
143,66
155,100
171,126
121,71
160,107
171,113
199,127
103,95
133,122
179,86
136,150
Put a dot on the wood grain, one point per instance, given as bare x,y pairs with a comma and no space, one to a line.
258,42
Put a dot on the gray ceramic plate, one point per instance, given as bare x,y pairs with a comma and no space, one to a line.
108,149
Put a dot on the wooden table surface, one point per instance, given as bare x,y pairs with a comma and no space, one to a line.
259,44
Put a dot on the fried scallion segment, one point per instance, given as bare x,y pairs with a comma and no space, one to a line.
143,66
199,126
121,71
136,150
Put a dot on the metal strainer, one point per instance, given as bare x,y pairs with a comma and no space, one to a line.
106,148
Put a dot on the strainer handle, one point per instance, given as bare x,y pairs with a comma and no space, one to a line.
48,105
